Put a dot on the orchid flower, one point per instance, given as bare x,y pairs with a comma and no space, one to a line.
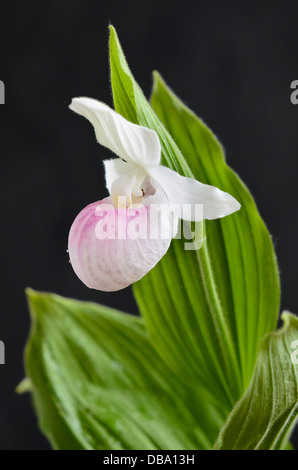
136,177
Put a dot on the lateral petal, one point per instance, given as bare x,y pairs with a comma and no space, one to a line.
186,194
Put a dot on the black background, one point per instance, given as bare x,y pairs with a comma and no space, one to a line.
232,62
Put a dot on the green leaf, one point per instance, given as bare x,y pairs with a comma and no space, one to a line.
132,104
97,383
206,311
265,416
199,350
241,251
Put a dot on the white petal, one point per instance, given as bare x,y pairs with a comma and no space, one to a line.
111,263
123,188
133,143
187,193
129,178
113,170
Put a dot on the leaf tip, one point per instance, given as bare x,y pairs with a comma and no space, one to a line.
37,302
32,295
157,77
113,35
24,386
30,292
288,319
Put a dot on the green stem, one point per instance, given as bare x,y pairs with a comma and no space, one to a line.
221,327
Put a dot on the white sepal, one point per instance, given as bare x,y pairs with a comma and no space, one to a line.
134,144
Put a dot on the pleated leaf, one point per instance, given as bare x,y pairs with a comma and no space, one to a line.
97,383
206,311
241,251
265,416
